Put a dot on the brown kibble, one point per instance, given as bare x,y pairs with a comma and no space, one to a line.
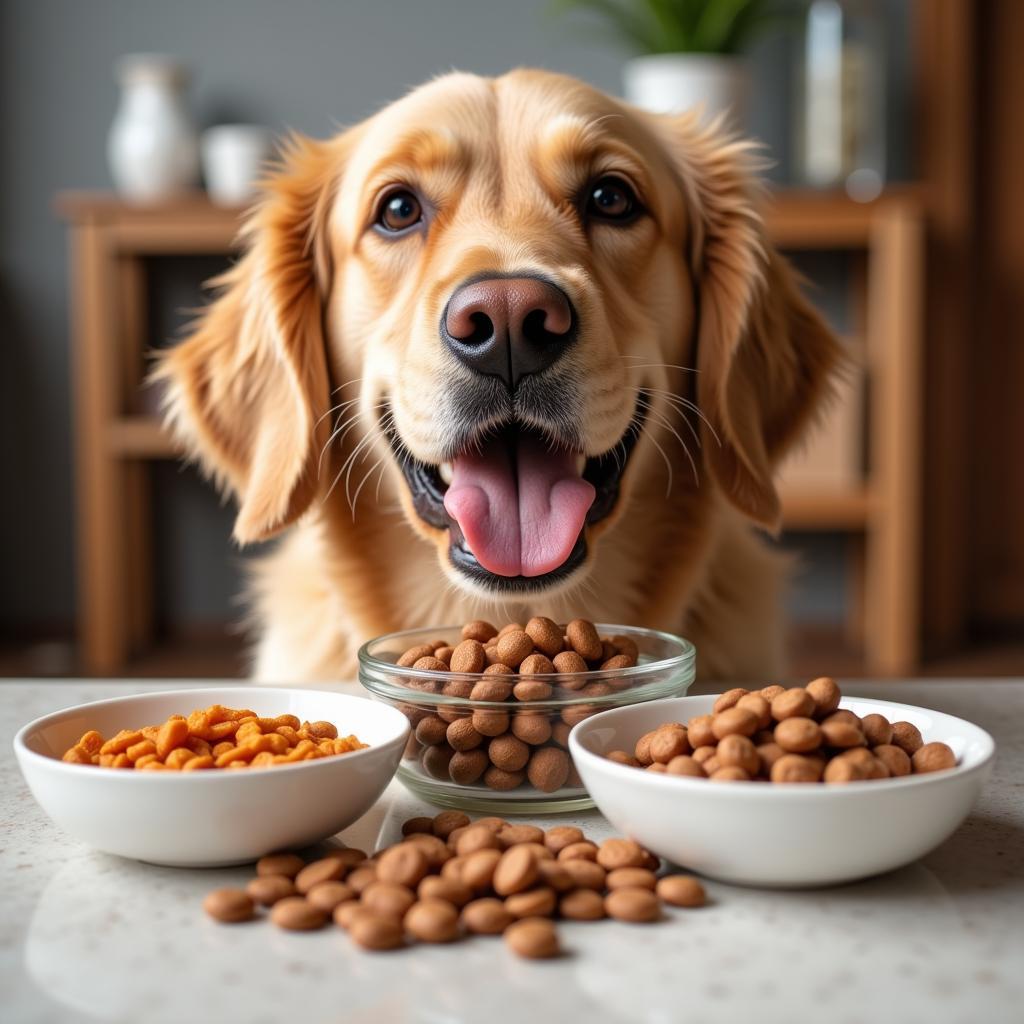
536,664
840,734
413,654
444,654
502,781
793,703
418,826
461,735
569,662
431,731
759,705
738,752
681,891
508,753
933,757
531,689
699,732
729,773
668,742
907,737
631,878
582,905
728,699
620,853
170,735
486,916
329,869
296,914
533,727
583,639
771,692
451,890
496,667
430,664
515,835
476,837
268,889
467,766
842,770
480,630
287,864
642,750
491,689
843,715
477,870
796,735
514,647
404,864
617,662
516,871
374,932
387,899
638,906
490,723
825,694
621,757
344,914
361,877
877,730
769,753
585,874
582,850
558,838
548,769
534,938
468,656
734,721
539,902
555,874
684,765
437,759
795,768
328,896
229,906
894,758
545,634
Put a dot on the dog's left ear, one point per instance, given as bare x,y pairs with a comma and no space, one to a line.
764,355
247,392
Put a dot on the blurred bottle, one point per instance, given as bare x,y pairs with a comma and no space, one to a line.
152,148
842,111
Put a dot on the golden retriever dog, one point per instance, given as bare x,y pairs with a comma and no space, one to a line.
510,346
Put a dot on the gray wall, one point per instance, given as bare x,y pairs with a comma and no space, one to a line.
307,64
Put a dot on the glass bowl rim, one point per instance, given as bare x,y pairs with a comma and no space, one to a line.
370,669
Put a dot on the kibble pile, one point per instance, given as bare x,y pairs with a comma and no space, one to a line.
213,737
786,736
450,877
509,745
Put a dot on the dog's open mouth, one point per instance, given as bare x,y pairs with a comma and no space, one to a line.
515,504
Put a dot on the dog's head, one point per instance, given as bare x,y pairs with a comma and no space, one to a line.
515,293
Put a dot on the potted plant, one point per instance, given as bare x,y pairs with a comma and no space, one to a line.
689,50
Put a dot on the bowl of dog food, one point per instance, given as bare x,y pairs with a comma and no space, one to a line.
491,708
784,788
209,777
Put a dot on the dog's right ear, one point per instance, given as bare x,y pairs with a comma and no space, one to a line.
247,392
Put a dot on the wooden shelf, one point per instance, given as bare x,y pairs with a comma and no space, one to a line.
140,437
111,240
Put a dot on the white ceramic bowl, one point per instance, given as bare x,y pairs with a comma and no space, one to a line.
211,818
785,836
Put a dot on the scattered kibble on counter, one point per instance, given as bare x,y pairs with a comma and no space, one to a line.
450,877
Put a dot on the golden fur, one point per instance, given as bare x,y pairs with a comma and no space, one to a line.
279,391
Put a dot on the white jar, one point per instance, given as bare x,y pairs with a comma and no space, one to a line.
669,83
234,157
152,147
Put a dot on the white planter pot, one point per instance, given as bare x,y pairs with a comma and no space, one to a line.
234,156
152,148
669,83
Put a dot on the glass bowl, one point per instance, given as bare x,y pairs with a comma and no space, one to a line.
665,668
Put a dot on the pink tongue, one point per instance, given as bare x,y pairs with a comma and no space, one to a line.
520,511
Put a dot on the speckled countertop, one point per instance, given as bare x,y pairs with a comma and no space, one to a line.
89,937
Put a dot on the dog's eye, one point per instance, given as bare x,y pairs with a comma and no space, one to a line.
399,211
610,198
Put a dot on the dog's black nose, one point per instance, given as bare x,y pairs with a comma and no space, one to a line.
509,327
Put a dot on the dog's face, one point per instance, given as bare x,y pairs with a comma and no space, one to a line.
502,283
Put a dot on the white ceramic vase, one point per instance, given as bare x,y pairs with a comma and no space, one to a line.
234,157
152,148
669,83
